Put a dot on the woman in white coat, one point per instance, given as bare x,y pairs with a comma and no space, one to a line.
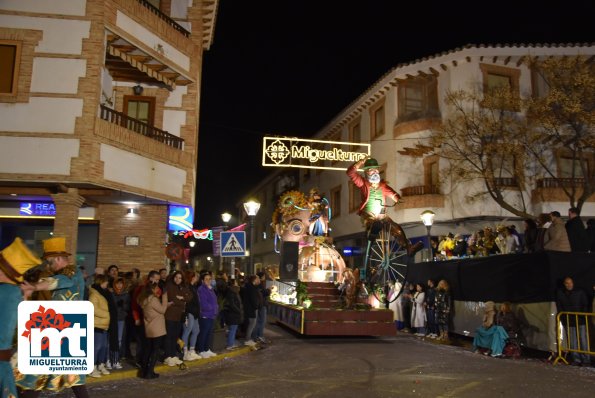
418,313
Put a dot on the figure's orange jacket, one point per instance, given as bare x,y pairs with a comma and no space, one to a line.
364,187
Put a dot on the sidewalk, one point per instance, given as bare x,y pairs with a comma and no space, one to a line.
130,371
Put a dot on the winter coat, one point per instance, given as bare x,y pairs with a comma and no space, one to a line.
208,302
101,309
418,313
233,311
122,300
574,300
154,316
177,310
556,237
442,307
577,235
251,299
193,306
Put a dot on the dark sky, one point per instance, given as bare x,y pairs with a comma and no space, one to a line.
288,67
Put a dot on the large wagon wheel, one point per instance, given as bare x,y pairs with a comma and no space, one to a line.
386,261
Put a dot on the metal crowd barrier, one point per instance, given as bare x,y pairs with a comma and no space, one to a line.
566,333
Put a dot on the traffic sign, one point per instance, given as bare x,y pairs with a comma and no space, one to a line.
233,244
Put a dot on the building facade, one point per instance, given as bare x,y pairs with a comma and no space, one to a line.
99,102
397,115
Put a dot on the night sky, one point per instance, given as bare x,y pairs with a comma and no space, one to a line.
288,67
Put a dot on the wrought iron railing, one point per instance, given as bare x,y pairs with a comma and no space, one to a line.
139,127
421,190
560,182
506,182
164,17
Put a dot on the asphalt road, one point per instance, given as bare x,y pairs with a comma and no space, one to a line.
401,366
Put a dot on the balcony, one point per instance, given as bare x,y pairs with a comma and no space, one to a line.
421,196
552,189
164,17
560,182
420,190
141,128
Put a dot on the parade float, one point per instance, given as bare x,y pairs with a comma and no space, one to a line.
327,298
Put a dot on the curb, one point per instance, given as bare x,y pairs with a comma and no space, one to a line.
162,369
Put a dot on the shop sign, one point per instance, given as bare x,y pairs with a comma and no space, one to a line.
181,218
312,154
37,209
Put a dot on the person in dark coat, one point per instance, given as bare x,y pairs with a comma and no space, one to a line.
577,235
530,235
571,299
233,313
252,301
591,234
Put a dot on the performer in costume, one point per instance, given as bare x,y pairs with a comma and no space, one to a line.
319,216
374,192
66,284
15,259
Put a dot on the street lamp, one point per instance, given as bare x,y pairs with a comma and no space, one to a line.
427,217
225,217
251,207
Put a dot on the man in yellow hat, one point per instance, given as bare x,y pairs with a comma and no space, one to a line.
374,192
66,284
15,260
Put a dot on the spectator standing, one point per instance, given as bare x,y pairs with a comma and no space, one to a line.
154,305
233,313
530,235
261,318
122,300
251,300
191,327
460,249
138,318
112,273
572,299
98,296
209,310
396,305
544,221
577,234
556,237
178,295
418,312
430,303
443,309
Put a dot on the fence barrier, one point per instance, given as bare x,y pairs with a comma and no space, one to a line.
572,334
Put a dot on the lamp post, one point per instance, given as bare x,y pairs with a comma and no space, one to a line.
225,217
427,217
251,207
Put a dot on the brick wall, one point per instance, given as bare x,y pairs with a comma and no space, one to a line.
150,225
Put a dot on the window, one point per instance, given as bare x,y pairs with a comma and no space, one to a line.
566,164
336,201
377,120
140,108
498,77
418,98
355,131
539,85
9,66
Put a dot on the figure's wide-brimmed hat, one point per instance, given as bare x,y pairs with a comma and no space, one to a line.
16,259
55,247
370,163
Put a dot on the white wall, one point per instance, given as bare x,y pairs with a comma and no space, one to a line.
41,115
37,155
137,171
174,99
57,75
60,7
173,120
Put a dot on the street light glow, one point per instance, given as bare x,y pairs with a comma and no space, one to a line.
252,207
226,217
427,217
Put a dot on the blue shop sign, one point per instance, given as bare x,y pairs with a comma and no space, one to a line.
37,209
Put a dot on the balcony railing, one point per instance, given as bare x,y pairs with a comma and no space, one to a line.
139,127
164,17
506,182
421,190
560,182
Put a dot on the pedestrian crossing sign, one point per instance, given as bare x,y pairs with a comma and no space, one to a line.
233,244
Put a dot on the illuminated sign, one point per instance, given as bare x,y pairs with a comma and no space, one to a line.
352,251
37,209
311,154
181,218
